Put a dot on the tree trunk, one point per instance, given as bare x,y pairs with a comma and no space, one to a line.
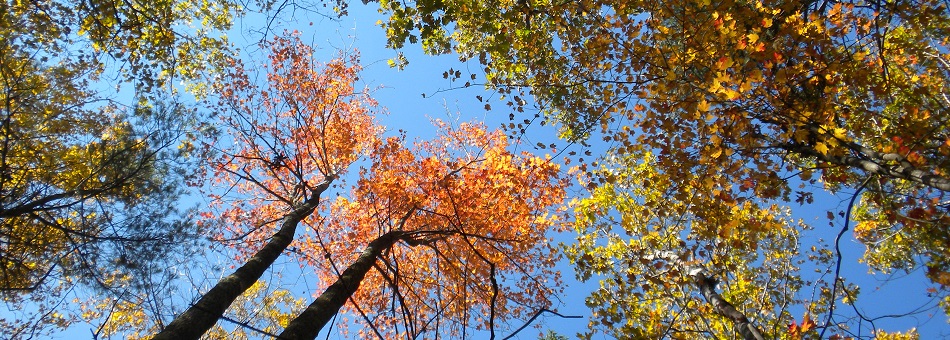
707,286
309,322
200,317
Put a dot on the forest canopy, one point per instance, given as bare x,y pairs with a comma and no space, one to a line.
204,169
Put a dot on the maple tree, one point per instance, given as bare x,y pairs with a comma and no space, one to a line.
440,236
739,100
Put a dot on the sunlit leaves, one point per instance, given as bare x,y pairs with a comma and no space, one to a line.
647,242
472,217
909,335
746,94
478,211
800,331
267,310
77,176
85,177
148,37
309,123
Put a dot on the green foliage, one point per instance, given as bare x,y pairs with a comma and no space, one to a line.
92,210
552,335
148,42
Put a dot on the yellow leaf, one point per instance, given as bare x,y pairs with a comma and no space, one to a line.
745,87
703,106
753,38
821,148
840,133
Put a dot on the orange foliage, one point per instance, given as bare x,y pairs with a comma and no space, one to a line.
477,214
310,123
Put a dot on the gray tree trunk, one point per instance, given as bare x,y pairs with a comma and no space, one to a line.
200,317
309,322
707,286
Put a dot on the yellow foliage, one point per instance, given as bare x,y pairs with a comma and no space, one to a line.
746,94
908,335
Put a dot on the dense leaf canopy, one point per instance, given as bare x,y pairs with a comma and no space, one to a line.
711,120
741,102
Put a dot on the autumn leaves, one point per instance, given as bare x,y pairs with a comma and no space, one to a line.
717,117
726,111
439,222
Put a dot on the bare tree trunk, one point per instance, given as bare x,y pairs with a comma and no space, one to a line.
309,322
200,317
707,286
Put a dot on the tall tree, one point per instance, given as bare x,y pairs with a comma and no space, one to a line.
470,215
86,185
443,236
89,177
751,94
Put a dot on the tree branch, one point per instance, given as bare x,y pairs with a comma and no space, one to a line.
205,313
707,286
874,163
309,322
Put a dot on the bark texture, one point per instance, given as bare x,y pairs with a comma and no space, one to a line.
201,316
876,163
309,322
707,286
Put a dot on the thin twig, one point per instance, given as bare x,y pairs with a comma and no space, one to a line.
834,288
242,324
536,315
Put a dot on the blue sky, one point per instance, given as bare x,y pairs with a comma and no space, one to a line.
401,93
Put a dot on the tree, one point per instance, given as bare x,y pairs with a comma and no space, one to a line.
86,185
665,276
452,229
143,39
752,95
89,179
260,310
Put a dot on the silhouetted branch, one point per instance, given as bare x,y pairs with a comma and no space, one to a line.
834,288
535,316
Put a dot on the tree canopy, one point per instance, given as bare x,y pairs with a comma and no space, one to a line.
453,230
741,102
697,132
91,177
